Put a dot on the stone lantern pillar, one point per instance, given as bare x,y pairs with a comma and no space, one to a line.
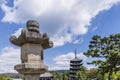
32,44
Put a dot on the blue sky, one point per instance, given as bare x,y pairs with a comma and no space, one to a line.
70,24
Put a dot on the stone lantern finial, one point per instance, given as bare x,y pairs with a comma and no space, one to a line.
32,25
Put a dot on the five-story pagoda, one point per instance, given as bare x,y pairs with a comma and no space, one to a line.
75,65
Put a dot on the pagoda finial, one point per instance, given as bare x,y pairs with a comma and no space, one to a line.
75,54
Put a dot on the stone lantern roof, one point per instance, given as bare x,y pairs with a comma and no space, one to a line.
32,35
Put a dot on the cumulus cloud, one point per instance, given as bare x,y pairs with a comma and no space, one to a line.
63,61
63,19
9,57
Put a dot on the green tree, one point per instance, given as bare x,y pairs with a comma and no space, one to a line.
57,75
60,76
92,73
82,73
107,48
65,75
4,77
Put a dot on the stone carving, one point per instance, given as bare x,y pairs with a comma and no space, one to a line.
32,44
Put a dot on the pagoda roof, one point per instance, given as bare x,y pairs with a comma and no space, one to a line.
76,59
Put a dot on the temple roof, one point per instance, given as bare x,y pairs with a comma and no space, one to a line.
47,74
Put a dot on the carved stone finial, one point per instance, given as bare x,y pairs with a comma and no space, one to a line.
32,25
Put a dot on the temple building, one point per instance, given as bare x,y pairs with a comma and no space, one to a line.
75,65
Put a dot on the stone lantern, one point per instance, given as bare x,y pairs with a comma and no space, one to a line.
32,44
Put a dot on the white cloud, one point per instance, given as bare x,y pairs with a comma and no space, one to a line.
9,57
62,61
63,19
3,1
61,39
78,41
91,66
94,28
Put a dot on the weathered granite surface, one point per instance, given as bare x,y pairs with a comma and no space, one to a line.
32,44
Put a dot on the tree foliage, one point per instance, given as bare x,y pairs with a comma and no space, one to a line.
4,77
60,76
107,48
82,73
